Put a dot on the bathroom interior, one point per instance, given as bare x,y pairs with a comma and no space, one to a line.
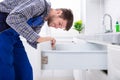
93,54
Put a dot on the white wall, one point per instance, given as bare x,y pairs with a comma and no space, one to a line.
94,11
112,7
1,0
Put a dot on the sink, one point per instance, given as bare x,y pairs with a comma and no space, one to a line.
113,38
70,55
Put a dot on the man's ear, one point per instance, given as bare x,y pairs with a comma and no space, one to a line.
59,12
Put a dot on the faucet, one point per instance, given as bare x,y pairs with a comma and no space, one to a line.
107,31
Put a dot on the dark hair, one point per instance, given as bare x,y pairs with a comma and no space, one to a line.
67,15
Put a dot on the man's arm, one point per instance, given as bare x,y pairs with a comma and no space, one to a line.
18,17
43,39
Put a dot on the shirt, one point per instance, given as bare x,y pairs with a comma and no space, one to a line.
20,11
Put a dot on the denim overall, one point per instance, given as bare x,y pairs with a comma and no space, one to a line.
14,63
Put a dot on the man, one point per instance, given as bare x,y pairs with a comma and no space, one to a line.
25,18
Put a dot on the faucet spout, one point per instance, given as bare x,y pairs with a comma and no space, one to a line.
105,15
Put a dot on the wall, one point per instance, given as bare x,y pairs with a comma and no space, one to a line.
94,11
1,0
113,8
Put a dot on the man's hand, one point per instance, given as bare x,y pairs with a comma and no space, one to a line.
53,41
43,39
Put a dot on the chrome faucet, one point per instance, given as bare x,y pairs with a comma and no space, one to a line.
107,31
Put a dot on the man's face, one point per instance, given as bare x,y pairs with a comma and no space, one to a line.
57,22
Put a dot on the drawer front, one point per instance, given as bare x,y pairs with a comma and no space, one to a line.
80,60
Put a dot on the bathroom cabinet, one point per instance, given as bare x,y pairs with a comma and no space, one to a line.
114,62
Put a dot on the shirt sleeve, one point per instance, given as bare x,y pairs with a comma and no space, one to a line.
17,19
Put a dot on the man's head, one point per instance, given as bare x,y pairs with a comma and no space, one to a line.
60,18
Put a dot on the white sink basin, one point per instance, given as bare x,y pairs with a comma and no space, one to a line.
113,38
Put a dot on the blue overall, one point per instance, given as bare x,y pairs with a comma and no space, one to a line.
14,63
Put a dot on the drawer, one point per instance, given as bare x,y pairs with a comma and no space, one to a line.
74,60
74,56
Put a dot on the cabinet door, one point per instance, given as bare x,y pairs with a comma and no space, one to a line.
114,62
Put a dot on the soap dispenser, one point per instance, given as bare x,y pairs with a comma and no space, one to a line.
117,26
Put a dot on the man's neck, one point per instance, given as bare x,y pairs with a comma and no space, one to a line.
46,18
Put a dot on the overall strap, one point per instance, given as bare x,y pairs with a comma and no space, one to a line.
3,24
